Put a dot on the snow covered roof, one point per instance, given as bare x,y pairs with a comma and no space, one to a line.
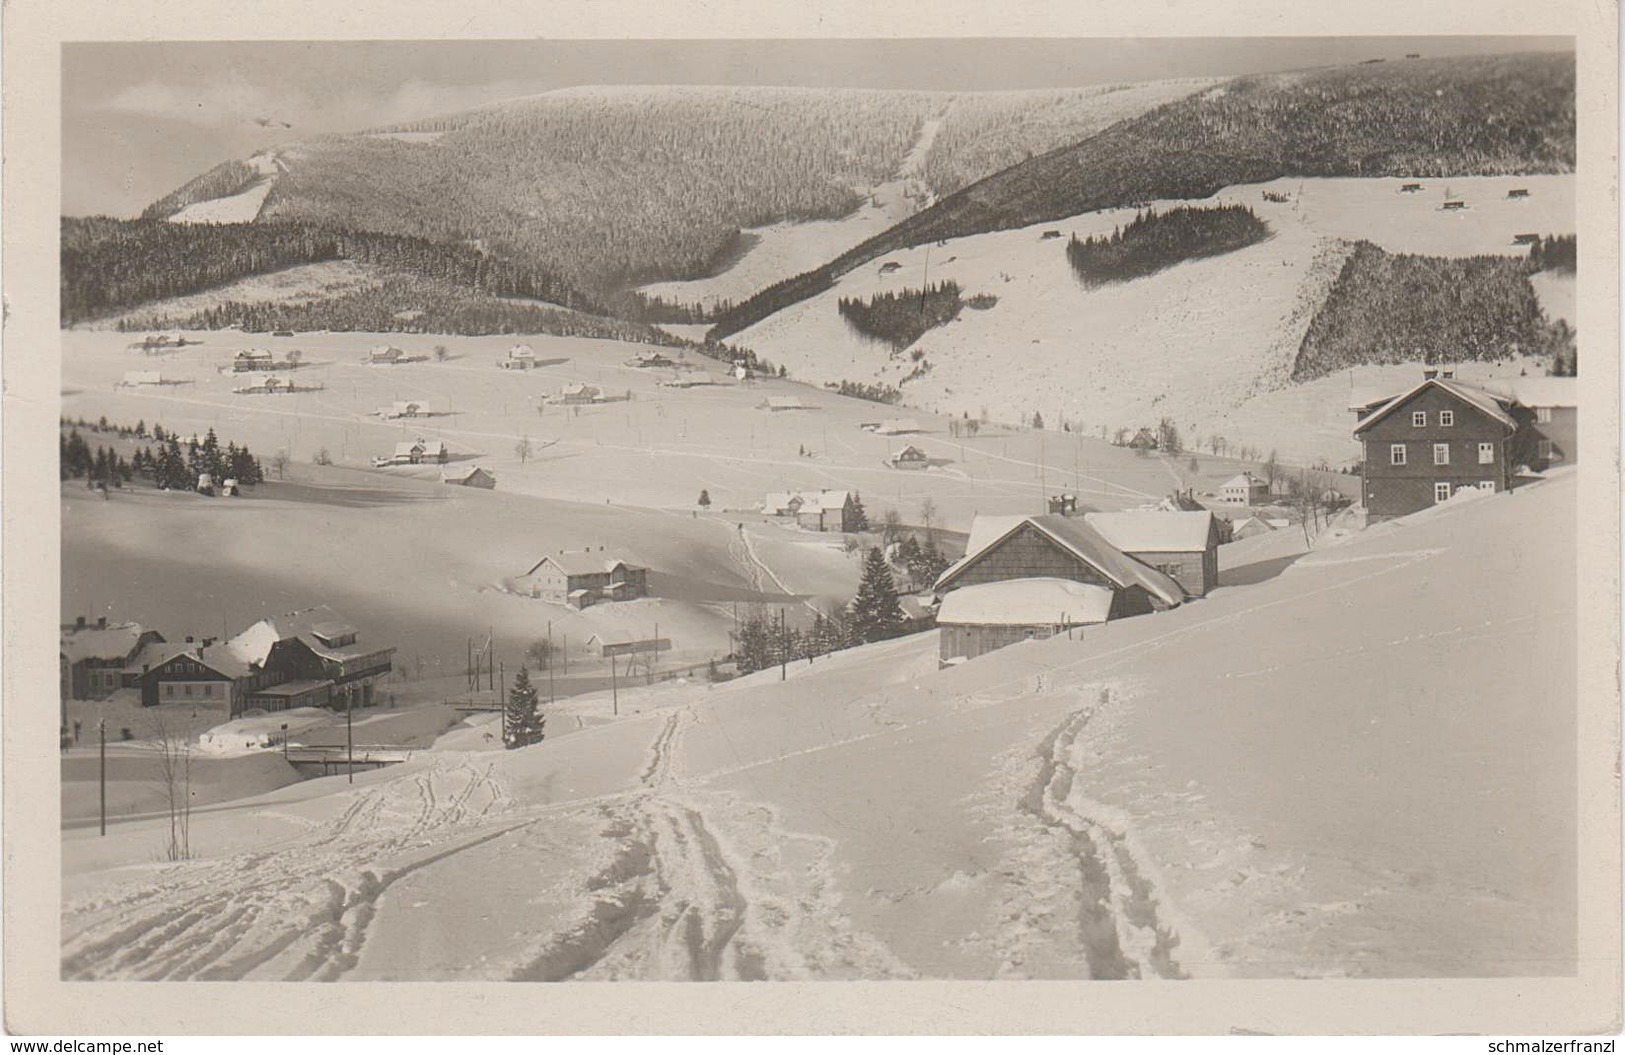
1080,539
521,351
1244,482
1026,602
254,353
426,446
101,642
580,563
1473,396
576,388
292,688
910,453
1156,531
143,377
896,426
1537,391
784,403
309,625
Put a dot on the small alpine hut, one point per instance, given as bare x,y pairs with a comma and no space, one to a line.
474,477
385,354
910,457
979,619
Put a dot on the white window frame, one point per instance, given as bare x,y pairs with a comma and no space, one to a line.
1543,415
1486,485
1441,454
1419,419
1396,454
1441,491
1447,418
1486,454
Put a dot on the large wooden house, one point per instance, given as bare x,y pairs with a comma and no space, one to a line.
1440,437
582,579
1182,545
310,658
93,656
1001,549
975,620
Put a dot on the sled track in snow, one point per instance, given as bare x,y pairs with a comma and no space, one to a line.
1118,923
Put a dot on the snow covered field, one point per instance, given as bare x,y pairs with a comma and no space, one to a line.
1209,343
1362,766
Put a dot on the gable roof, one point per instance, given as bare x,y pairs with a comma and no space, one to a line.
1137,531
1537,391
910,453
102,642
1084,542
1485,402
581,563
1026,602
309,625
1245,481
828,501
217,657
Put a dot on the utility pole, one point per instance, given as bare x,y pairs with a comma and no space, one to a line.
614,691
102,724
784,651
349,735
550,661
656,657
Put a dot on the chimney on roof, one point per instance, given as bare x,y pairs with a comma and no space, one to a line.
79,623
1448,373
188,639
1429,374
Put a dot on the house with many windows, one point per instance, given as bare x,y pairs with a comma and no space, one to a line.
1440,437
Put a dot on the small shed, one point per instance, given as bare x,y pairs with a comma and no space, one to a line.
1517,193
1252,526
975,620
474,477
890,266
1410,188
1453,206
774,404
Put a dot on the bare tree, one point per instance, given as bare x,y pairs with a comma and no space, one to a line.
440,353
172,746
523,449
279,462
928,517
294,355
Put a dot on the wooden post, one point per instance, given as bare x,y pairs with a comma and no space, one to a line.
614,692
103,726
656,657
551,659
784,651
349,736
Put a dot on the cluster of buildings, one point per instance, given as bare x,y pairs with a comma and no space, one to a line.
415,452
815,510
1027,578
308,658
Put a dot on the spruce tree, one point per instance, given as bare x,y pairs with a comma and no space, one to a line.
523,723
876,615
860,519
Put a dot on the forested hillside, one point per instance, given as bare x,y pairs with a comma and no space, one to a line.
1395,308
1153,241
1426,117
112,265
222,181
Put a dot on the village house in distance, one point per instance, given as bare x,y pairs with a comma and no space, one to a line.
584,578
815,510
1443,436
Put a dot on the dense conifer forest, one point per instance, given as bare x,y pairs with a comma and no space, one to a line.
1153,241
899,319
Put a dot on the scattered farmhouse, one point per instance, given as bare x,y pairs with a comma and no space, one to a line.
94,655
692,380
134,378
582,579
775,404
1453,206
1057,547
1244,490
1183,546
978,619
407,408
1063,504
385,355
815,510
1529,238
576,392
1143,441
474,477
910,457
251,359
1518,193
416,452
520,357
1442,436
1410,188
644,360
892,427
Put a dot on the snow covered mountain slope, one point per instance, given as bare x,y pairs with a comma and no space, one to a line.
1362,766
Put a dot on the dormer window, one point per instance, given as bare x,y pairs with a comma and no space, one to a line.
1419,419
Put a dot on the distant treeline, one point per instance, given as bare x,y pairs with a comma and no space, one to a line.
223,181
1479,115
111,265
1394,308
901,318
1153,241
873,391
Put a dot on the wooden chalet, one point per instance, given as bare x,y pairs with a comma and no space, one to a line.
582,579
1057,547
385,354
1517,193
309,658
1410,188
1182,545
815,510
420,451
1143,441
1442,436
520,357
644,360
975,620
251,359
910,457
94,655
472,477
578,393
